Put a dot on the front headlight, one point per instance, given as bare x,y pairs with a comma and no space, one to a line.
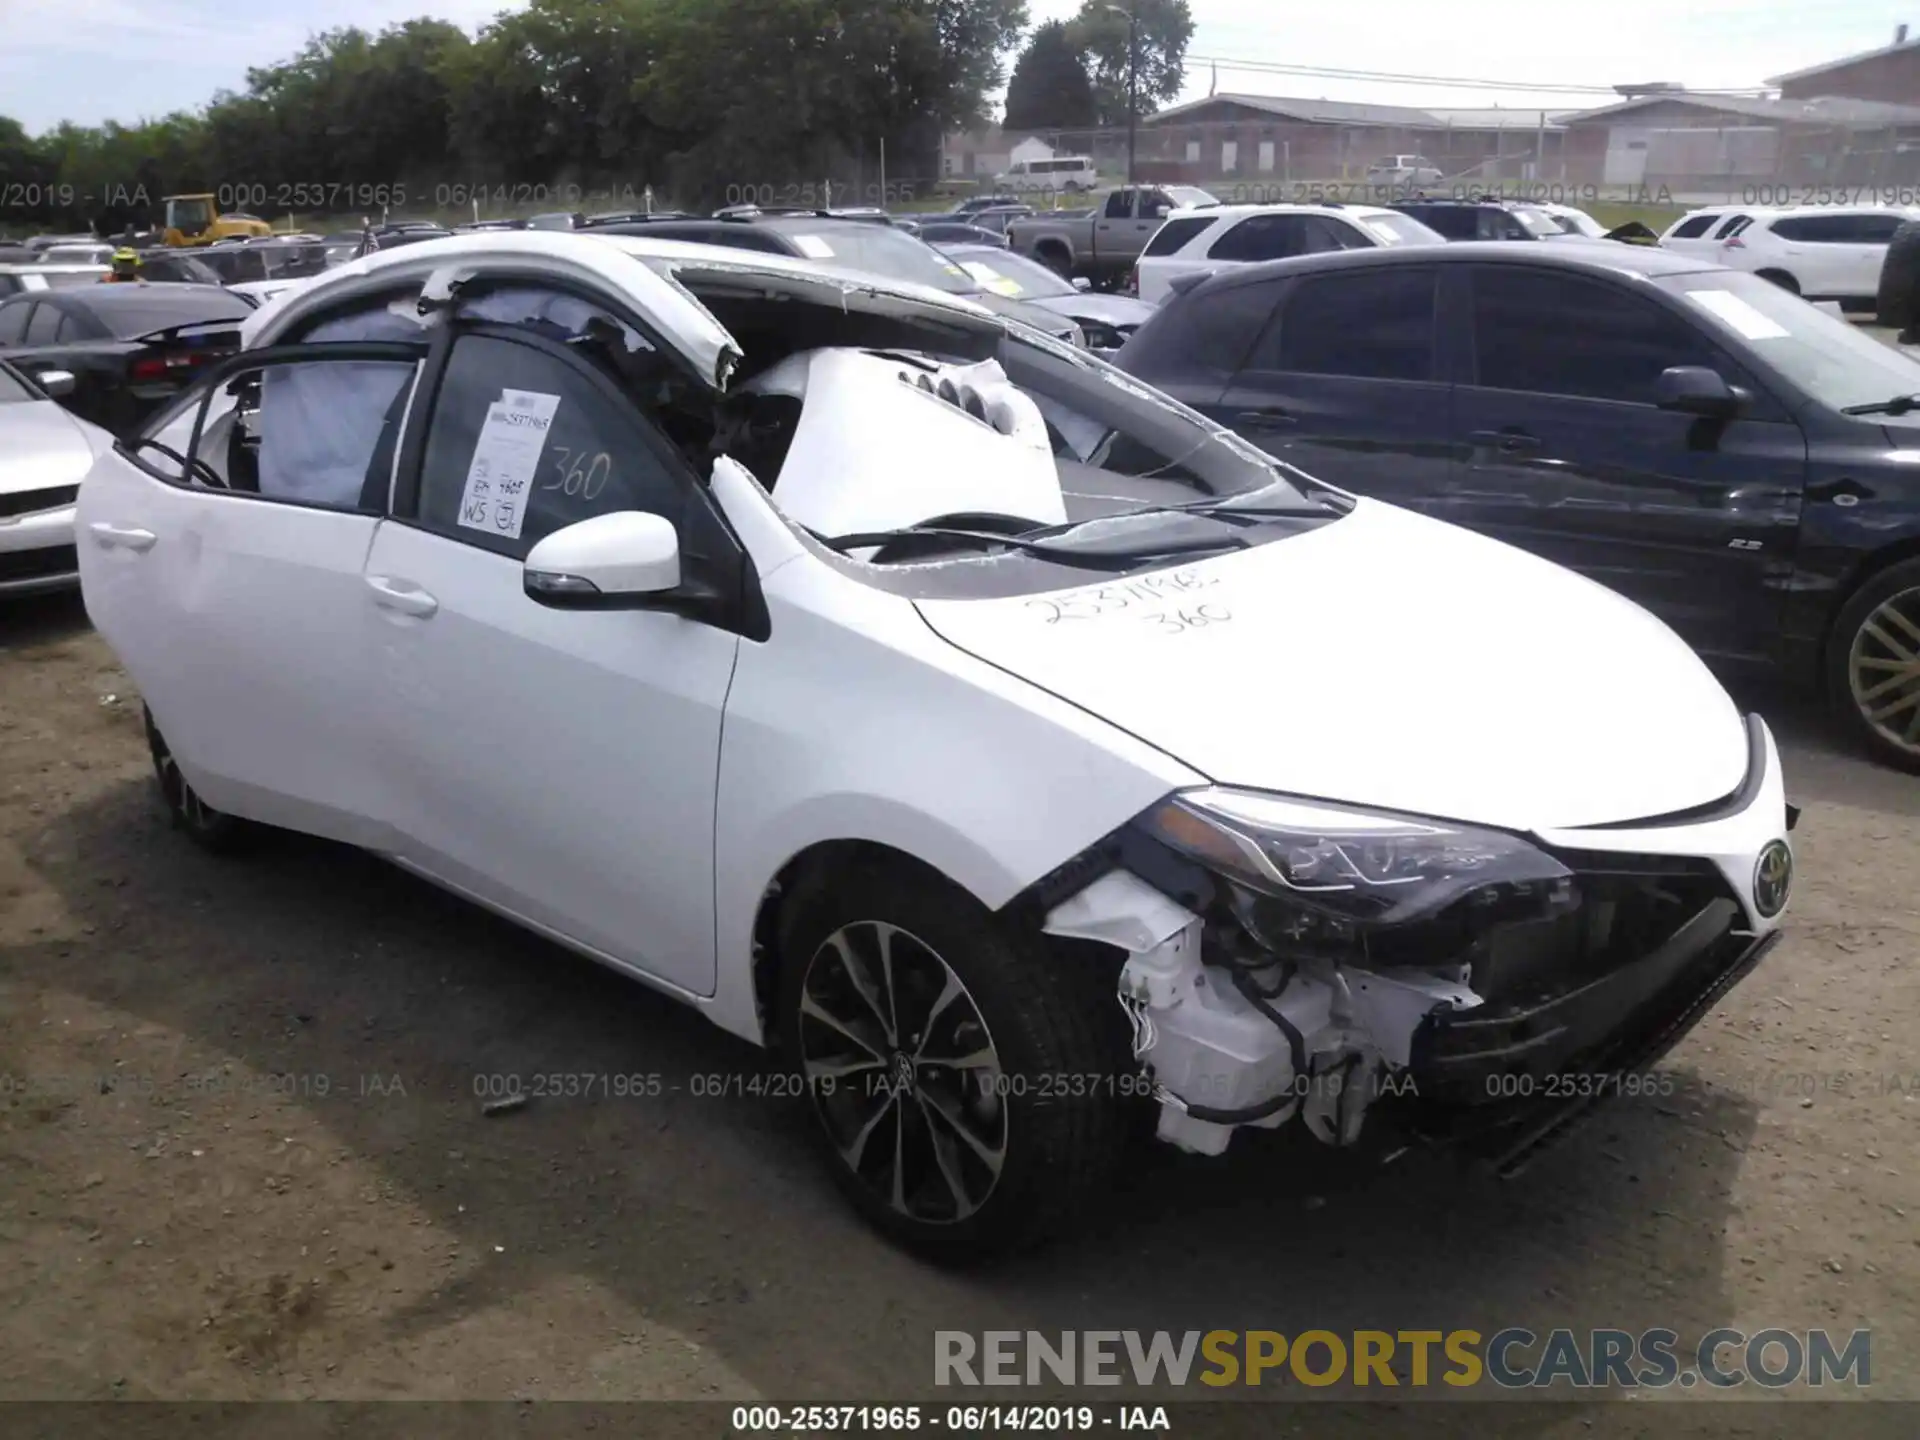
1335,871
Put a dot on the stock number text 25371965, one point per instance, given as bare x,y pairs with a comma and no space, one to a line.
1171,604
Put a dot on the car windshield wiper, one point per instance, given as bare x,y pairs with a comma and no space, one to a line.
1058,554
1898,405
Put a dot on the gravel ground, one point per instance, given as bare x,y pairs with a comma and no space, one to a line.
243,1156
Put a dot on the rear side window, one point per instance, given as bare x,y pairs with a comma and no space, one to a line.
1206,332
44,328
1370,324
1265,237
1694,226
1175,234
1837,229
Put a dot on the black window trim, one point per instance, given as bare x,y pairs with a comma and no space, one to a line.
199,396
741,605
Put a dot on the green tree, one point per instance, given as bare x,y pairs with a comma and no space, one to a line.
1050,88
1164,31
551,94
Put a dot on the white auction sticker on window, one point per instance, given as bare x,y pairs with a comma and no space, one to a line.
814,246
500,475
1739,314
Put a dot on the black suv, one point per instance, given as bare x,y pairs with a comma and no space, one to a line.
1707,444
1480,219
868,244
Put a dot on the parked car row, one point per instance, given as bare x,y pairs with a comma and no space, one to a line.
1823,252
1689,435
1678,452
942,706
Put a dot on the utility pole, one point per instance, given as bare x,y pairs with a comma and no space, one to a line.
1133,82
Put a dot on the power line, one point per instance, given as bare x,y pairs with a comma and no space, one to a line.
1271,67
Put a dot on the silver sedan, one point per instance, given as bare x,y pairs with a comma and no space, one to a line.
44,453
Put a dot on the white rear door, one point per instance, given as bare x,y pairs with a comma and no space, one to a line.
224,570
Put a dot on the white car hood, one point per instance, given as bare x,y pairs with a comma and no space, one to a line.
1386,660
41,447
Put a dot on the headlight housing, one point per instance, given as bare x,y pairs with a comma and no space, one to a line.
1312,874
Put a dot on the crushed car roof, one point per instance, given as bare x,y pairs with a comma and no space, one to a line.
599,259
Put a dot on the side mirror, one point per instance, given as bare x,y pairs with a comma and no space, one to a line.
1081,282
57,383
1696,390
626,560
1160,212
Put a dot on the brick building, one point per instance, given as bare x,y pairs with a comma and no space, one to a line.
1890,75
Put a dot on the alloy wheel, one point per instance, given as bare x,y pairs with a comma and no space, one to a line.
1883,670
903,1072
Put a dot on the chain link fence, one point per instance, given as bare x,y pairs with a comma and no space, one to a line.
1515,152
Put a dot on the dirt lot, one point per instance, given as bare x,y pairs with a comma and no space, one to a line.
243,1154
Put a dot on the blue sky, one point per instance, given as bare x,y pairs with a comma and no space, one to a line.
96,60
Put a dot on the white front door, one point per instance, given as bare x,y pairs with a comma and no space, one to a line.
230,585
560,764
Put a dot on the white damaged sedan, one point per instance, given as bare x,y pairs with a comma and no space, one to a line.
1009,747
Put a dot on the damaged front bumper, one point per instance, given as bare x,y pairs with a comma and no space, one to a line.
1493,1020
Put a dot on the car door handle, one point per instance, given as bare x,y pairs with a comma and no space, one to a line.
1274,419
398,595
121,537
1508,442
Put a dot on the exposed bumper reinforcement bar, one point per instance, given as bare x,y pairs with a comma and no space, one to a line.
1507,1136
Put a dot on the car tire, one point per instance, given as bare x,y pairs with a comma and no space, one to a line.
1897,297
1780,277
1056,259
958,1164
210,829
1873,665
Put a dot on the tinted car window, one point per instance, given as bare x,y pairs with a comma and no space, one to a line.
598,454
1837,229
1372,324
1492,224
1119,205
1266,237
1693,228
44,327
1456,222
1735,224
130,312
1208,330
13,321
1175,234
1522,319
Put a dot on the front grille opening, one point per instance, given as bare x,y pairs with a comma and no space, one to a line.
28,502
1620,918
39,564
